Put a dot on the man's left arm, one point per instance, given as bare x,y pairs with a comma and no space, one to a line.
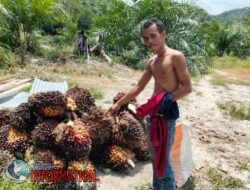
183,76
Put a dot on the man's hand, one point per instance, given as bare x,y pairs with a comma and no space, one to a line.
113,109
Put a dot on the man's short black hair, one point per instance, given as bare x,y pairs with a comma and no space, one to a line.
159,24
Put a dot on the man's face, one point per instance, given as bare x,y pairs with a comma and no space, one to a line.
153,39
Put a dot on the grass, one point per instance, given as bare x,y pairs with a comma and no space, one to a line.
26,88
242,167
236,109
72,83
144,186
228,62
55,54
8,185
97,94
232,70
199,93
219,182
221,80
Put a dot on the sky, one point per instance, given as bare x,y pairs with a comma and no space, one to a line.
215,7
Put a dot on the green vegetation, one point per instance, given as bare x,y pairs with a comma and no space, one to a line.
121,24
219,80
236,109
228,62
26,24
145,186
26,88
243,167
97,94
222,80
8,185
6,58
72,83
219,182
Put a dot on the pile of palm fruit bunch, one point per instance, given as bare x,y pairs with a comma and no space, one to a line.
68,130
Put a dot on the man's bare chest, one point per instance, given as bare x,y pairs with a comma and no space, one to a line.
162,68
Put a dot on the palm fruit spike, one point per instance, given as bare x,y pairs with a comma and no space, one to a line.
5,158
5,116
82,97
100,126
50,104
131,157
43,136
22,118
118,159
141,151
13,140
29,154
50,160
74,138
71,104
82,165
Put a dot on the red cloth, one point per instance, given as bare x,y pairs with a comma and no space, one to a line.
158,131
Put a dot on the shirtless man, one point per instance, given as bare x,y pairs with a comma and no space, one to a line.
169,70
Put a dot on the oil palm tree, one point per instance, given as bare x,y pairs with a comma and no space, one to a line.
121,25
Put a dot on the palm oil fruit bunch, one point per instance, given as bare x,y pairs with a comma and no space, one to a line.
82,98
118,159
51,104
43,136
74,139
52,161
117,134
5,117
100,126
45,159
141,151
23,118
13,140
118,96
128,130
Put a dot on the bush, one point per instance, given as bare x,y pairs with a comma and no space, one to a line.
6,58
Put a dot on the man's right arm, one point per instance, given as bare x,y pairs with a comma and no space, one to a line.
135,90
